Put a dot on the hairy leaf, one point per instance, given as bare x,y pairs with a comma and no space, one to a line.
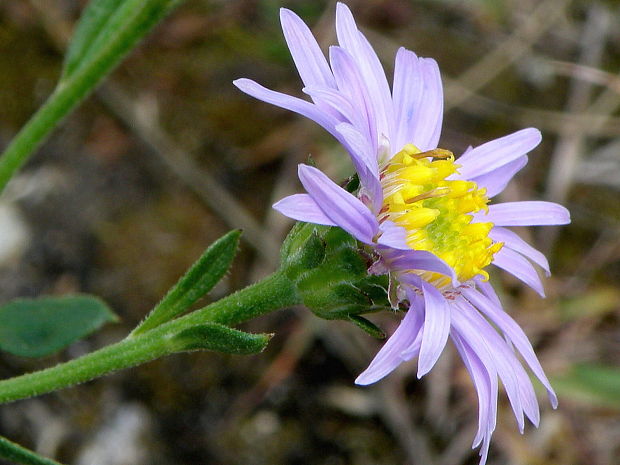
220,338
205,273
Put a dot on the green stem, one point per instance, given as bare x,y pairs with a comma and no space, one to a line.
18,454
247,303
72,90
273,293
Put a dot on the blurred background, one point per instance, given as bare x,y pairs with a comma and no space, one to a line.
168,155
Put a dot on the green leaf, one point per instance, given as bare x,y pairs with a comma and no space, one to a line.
111,30
18,454
205,273
40,327
103,21
94,18
367,326
596,385
220,338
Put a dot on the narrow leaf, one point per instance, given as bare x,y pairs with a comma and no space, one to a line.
18,454
93,20
205,273
40,327
104,22
98,51
220,338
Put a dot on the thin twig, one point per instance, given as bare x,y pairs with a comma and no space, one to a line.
571,141
504,54
566,154
593,122
395,411
604,250
586,73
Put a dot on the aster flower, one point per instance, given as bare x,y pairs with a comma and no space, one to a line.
422,214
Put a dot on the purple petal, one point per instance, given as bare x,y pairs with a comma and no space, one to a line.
436,328
496,181
351,83
428,119
359,147
341,207
529,213
326,119
519,267
514,242
497,153
307,55
516,335
363,156
302,207
504,354
388,358
417,302
393,236
337,102
492,350
485,381
288,102
422,260
365,162
486,289
408,85
436,323
354,42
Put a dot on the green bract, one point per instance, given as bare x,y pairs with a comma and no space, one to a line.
330,272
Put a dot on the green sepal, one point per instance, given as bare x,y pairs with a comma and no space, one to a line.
339,298
330,271
219,338
352,184
205,273
302,251
367,326
43,326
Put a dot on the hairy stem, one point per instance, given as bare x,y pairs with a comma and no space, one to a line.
69,92
273,293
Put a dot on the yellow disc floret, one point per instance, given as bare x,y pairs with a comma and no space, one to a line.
437,213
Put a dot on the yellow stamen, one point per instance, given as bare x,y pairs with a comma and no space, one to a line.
437,212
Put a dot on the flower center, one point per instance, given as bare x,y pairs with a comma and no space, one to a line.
437,213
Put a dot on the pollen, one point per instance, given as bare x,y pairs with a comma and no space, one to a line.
437,212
